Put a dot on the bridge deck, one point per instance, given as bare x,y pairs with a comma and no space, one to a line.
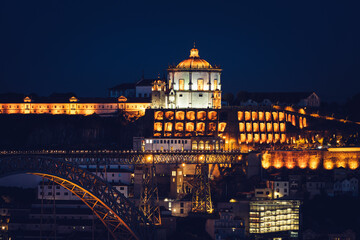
90,157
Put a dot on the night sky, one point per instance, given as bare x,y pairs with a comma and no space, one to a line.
88,46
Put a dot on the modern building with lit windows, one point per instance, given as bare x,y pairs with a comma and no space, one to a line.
274,219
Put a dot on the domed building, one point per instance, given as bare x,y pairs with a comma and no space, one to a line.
193,83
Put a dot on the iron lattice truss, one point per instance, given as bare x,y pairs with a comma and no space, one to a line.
119,215
103,157
149,199
201,199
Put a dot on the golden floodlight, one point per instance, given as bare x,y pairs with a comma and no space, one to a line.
328,164
353,163
149,158
201,157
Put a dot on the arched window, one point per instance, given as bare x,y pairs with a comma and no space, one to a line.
181,85
200,84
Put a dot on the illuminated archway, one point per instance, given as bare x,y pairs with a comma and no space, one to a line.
122,219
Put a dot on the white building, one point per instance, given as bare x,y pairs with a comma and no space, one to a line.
193,83
280,188
161,144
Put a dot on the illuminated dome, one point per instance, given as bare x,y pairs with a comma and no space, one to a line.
194,61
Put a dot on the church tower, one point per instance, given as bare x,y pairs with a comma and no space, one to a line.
194,83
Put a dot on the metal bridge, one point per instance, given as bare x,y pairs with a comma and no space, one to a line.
105,157
122,219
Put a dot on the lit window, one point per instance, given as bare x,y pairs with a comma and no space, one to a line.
215,84
181,84
200,84
173,173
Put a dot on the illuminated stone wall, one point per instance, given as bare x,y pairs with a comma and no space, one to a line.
73,108
311,159
187,123
267,126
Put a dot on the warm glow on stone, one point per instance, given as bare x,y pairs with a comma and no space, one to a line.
353,163
328,164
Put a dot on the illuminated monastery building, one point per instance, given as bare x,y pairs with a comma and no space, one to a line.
185,104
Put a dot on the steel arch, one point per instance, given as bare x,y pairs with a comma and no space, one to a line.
119,215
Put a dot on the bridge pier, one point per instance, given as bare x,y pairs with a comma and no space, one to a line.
149,197
201,199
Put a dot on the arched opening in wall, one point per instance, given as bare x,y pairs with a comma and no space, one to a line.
201,145
269,127
169,115
243,138
262,127
194,145
179,126
275,116
168,127
268,116
282,127
304,122
242,127
256,138
159,115
241,116
200,127
293,120
180,115
261,116
212,127
300,123
281,116
277,137
254,115
256,127
263,138
190,115
248,127
269,138
207,145
222,126
158,126
249,138
189,127
212,115
276,127
201,115
247,116
283,138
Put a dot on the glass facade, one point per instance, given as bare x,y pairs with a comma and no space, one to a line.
274,216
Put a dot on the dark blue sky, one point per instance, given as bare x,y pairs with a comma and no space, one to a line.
88,46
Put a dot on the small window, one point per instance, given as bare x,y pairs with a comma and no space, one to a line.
200,95
180,95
